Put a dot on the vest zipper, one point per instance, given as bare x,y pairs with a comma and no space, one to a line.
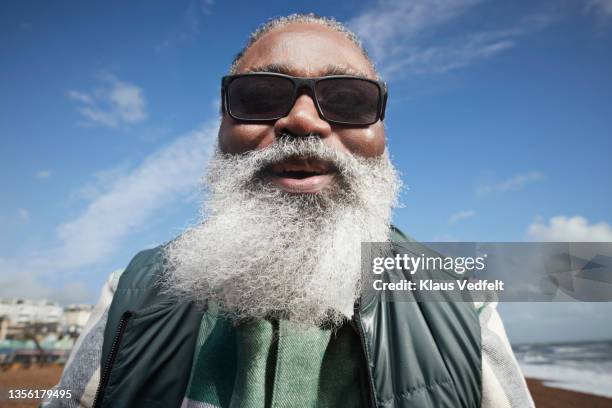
110,360
362,338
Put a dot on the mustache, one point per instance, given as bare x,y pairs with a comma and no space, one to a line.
288,147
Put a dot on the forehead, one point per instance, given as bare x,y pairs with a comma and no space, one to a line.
307,50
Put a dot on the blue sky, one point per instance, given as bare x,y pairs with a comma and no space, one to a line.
499,118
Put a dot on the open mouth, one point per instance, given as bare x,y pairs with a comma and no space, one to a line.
301,175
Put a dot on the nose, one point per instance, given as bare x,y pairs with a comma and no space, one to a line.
303,120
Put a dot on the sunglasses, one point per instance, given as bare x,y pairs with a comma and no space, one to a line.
340,99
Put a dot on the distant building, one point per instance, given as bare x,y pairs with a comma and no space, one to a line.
40,317
22,311
75,317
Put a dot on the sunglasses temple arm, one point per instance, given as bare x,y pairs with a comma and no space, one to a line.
383,107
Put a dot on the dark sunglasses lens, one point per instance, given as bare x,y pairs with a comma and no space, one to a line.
259,97
350,100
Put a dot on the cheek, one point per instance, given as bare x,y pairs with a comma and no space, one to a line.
237,137
368,142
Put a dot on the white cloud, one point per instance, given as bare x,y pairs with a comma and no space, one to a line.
43,174
26,284
514,183
80,97
461,215
389,24
115,209
132,198
101,181
409,36
569,229
441,59
601,7
113,103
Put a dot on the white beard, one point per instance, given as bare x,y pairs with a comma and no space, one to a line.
261,252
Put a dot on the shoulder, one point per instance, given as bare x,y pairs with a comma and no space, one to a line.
397,235
143,270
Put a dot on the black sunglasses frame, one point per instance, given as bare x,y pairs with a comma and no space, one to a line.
300,83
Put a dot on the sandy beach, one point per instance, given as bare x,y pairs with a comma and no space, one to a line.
32,378
45,377
547,397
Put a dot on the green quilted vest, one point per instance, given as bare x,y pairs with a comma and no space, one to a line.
415,354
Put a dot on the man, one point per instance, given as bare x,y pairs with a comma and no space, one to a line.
261,303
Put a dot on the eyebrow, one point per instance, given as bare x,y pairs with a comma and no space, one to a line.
288,69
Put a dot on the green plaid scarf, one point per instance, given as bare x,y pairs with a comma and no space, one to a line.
265,364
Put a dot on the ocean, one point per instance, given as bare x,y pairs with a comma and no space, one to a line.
578,366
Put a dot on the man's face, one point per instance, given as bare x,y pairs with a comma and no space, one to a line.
279,249
304,50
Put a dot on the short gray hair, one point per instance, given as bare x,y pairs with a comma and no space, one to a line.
310,18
